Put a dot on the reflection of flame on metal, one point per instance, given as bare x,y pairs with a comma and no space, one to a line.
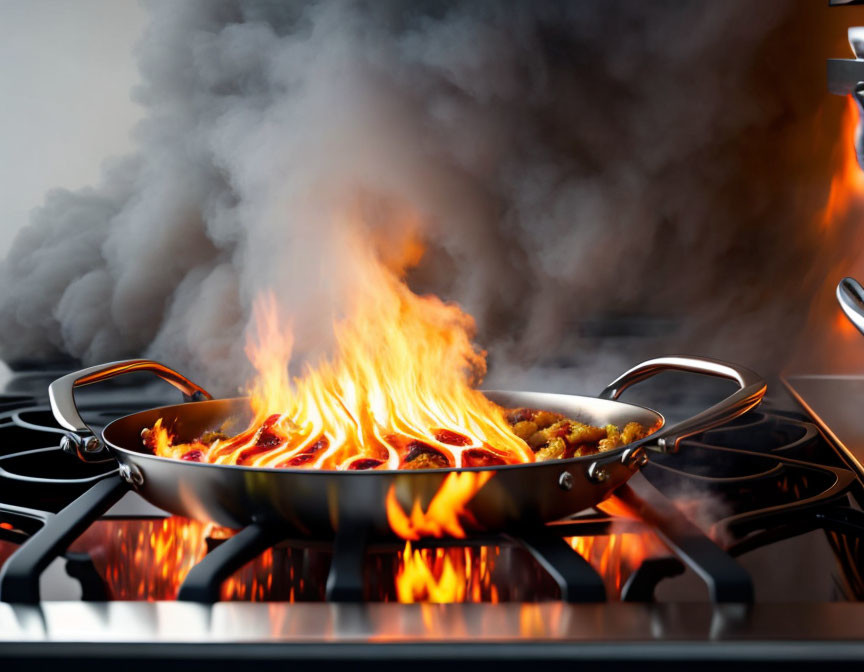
844,327
6,550
829,343
537,620
848,180
616,556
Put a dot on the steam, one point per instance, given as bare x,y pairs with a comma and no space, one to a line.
563,162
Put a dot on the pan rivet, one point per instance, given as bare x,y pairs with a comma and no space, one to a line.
635,458
68,443
93,445
131,474
565,481
598,473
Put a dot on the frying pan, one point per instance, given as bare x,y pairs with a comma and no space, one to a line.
315,502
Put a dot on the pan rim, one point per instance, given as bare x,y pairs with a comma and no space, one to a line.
137,454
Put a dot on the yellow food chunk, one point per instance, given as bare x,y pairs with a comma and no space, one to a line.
552,435
580,433
524,429
586,449
612,440
632,431
554,450
537,439
544,419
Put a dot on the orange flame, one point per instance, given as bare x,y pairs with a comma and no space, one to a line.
446,575
848,181
146,559
399,385
446,511
842,209
615,556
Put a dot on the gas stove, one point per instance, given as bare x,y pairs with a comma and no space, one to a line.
744,545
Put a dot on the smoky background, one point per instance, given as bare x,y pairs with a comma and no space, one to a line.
595,182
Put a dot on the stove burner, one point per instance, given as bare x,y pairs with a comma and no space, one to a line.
764,478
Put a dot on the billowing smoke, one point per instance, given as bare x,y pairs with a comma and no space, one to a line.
565,164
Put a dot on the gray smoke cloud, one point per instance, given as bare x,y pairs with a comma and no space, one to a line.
567,163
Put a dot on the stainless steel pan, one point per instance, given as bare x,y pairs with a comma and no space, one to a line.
316,503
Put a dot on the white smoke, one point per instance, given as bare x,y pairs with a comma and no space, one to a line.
563,161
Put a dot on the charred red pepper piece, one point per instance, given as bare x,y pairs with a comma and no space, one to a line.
451,438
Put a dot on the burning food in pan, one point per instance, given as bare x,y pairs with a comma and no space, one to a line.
398,392
280,442
554,436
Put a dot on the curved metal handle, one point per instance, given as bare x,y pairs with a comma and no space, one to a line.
751,389
61,394
850,294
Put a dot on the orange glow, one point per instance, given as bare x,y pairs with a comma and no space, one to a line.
446,575
146,559
399,386
466,574
531,621
848,181
7,526
844,327
614,506
615,556
446,511
149,559
842,204
253,582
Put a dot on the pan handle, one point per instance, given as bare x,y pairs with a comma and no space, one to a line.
751,389
61,394
850,294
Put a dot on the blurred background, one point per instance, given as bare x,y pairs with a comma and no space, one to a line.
69,70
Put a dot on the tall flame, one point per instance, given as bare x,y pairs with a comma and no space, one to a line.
446,575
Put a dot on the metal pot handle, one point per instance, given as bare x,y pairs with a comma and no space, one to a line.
751,389
850,294
83,441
